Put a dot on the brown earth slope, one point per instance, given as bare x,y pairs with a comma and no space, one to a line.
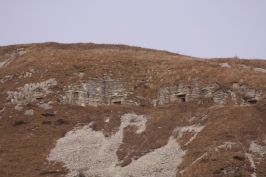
115,110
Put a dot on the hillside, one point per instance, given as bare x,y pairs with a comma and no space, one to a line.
91,110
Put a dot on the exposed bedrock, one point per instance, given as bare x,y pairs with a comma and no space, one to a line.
110,91
248,94
96,92
218,93
31,92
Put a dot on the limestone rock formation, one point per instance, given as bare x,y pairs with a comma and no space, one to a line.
96,92
31,92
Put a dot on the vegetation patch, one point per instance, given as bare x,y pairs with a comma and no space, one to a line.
240,158
46,122
48,114
60,122
53,173
18,123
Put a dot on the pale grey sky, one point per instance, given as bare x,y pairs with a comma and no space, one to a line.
201,28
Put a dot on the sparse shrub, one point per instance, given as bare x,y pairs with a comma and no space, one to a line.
48,114
81,174
236,56
18,123
60,122
80,68
30,105
239,175
239,158
230,136
46,122
52,173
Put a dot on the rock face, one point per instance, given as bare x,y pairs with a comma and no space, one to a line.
31,92
113,110
248,94
176,93
96,92
219,94
220,97
110,91
99,91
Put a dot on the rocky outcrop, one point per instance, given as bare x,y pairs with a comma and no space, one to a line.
248,95
203,92
219,94
96,92
174,93
184,92
220,97
110,91
31,92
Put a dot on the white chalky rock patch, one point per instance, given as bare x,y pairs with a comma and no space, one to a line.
224,65
260,70
255,149
45,105
192,119
90,152
29,112
244,66
18,107
161,162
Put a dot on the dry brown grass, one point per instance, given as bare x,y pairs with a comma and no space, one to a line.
23,148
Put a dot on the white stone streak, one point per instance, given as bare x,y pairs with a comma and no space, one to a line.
226,145
196,128
250,158
199,158
11,57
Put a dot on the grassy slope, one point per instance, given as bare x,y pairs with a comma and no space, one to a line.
23,150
